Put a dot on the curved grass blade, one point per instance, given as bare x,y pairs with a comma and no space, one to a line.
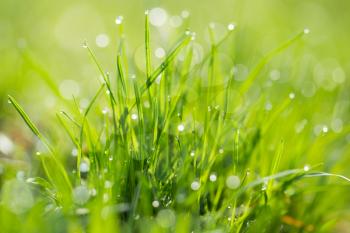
266,59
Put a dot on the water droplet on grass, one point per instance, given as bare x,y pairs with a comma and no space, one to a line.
306,168
85,44
306,31
119,20
155,204
325,129
84,167
195,185
212,177
181,127
134,116
104,110
291,95
231,27
233,182
81,195
192,153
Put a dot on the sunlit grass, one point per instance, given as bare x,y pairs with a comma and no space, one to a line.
178,149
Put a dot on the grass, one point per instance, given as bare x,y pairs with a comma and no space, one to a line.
176,151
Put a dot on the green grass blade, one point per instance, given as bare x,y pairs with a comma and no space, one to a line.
266,59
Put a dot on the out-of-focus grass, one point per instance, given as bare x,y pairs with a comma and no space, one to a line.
189,148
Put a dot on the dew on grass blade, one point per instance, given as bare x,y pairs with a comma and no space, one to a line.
291,95
85,44
306,168
232,182
180,127
192,153
81,195
119,20
84,167
105,110
325,129
306,31
231,27
195,185
212,177
155,204
134,116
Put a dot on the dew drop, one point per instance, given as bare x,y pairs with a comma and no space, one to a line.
105,111
181,127
291,95
81,195
195,185
134,116
324,129
233,182
306,31
212,177
84,167
155,204
192,153
231,27
85,44
119,20
306,168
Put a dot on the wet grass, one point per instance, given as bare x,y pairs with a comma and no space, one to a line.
180,148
